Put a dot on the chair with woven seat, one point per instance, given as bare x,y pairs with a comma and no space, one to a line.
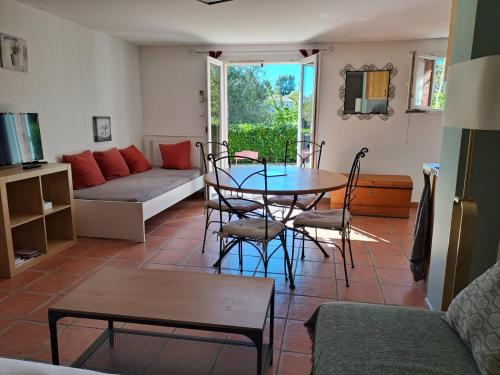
335,219
255,228
308,155
241,206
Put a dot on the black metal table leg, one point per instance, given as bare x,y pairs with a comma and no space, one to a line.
53,318
111,333
271,328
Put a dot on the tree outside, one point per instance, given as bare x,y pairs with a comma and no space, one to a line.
263,109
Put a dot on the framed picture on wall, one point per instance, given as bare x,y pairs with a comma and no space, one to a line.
102,128
14,53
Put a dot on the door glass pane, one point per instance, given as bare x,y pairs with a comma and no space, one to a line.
215,106
307,112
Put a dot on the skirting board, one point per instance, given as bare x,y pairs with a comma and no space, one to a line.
125,220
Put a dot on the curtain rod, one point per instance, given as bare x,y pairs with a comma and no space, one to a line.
329,49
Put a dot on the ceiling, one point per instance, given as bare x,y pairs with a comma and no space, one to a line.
189,22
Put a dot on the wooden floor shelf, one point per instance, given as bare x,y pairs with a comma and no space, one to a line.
24,224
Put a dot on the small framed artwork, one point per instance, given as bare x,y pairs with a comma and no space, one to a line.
102,128
14,53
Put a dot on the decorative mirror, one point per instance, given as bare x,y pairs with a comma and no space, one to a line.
367,91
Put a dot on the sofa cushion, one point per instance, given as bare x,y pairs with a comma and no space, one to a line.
366,339
135,159
84,169
111,163
475,315
17,367
176,156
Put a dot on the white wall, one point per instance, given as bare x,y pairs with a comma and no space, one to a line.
74,74
171,78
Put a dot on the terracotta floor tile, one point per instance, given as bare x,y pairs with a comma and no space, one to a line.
315,269
20,281
360,291
156,242
169,257
315,287
294,364
395,276
136,253
104,251
123,264
391,261
200,259
182,244
73,341
6,323
23,338
358,273
52,263
21,304
281,305
4,294
381,248
157,266
360,259
296,338
52,283
80,266
402,295
166,231
77,250
302,307
41,313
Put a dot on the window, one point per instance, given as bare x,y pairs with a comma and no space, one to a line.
427,82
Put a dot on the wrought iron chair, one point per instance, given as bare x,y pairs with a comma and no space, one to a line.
307,152
335,219
211,205
254,228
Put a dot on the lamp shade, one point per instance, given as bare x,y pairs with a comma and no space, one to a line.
473,94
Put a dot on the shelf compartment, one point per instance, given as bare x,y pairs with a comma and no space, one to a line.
56,208
30,235
24,200
55,188
60,231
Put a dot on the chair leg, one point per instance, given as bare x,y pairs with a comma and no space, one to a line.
349,243
240,254
222,249
264,257
303,244
343,258
289,263
208,213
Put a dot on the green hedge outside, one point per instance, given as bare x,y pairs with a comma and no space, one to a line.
268,140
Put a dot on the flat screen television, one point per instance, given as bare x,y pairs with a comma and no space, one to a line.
20,139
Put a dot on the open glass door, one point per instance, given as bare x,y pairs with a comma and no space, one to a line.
215,104
308,96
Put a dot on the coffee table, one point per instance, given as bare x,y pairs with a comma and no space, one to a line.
201,301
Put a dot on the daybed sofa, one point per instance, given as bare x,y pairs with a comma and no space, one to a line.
367,339
119,208
17,367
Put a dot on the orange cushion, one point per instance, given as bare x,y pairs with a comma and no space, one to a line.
85,171
176,156
135,160
111,163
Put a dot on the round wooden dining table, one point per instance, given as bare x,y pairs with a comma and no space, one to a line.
281,180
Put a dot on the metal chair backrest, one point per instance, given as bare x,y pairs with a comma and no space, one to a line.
257,170
352,182
222,148
307,151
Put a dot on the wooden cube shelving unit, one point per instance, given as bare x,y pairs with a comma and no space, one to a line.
24,224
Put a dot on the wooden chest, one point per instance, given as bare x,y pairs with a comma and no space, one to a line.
378,195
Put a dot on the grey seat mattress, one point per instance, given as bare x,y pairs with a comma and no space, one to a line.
365,339
139,187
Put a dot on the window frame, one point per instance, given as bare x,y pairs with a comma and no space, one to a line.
415,56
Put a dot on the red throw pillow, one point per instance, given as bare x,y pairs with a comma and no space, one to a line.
85,171
135,160
176,156
111,163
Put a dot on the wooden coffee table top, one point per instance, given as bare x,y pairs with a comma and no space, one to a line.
207,300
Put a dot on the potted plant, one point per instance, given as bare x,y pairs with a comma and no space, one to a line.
15,51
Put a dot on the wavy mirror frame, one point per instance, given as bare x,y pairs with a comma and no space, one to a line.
368,68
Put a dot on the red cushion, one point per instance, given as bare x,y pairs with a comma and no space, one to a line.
135,160
85,171
111,163
176,156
